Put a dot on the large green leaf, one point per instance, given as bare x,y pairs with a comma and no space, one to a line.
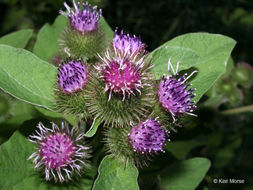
106,28
2,140
26,77
52,114
160,57
213,51
225,154
20,112
46,45
112,175
17,173
17,39
180,149
14,166
35,182
49,113
214,98
47,41
184,175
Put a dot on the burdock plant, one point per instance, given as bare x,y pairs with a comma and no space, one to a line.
148,137
174,95
83,37
127,43
138,143
111,90
121,89
61,152
70,89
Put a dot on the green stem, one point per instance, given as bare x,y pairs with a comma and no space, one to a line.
238,110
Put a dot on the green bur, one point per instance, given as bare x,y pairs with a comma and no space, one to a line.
86,46
70,88
116,112
118,146
72,103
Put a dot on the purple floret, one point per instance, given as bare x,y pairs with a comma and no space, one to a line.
57,149
59,153
174,95
148,137
72,76
123,78
125,42
84,18
123,74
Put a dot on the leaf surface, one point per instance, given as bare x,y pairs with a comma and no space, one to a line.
112,175
93,129
26,77
46,45
213,51
17,39
184,175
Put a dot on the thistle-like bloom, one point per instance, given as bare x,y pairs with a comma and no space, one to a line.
59,152
123,78
148,137
127,43
120,90
72,76
123,74
84,18
174,95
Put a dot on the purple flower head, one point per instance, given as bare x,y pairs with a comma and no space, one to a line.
126,43
59,153
148,137
122,74
72,76
174,95
121,78
84,18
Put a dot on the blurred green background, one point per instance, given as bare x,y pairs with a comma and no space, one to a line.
223,137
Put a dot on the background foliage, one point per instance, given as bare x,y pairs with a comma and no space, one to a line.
224,138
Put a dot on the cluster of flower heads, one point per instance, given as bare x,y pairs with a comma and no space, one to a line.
60,152
124,78
84,18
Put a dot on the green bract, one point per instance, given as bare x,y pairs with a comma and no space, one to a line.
84,46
